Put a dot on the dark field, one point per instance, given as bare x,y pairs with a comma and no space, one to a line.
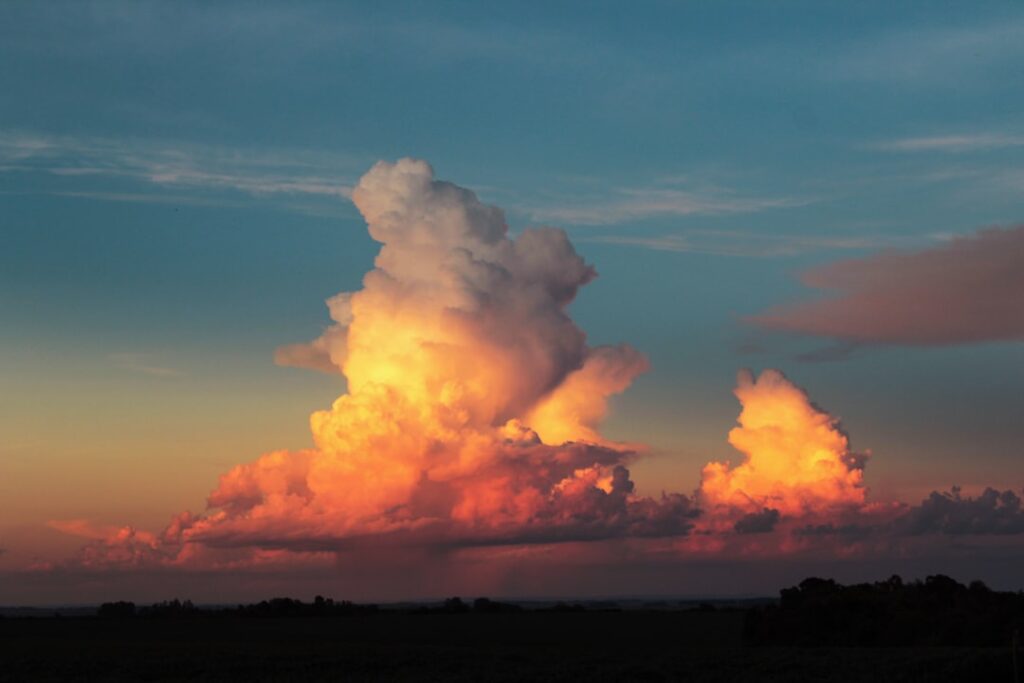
640,645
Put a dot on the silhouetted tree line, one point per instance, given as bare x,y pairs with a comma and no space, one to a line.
937,611
459,606
277,607
288,607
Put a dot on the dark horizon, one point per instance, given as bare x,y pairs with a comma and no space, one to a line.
936,629
630,600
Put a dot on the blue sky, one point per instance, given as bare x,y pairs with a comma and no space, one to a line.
173,206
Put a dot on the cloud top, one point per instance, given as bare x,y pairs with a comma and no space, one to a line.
797,459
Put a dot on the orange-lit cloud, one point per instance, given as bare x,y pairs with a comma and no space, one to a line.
473,400
797,459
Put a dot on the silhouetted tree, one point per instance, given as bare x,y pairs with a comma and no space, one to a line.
116,610
455,606
937,611
487,606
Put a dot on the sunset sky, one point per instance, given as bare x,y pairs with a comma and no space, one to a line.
669,298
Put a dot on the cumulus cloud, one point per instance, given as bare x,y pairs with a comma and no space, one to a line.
473,400
797,461
970,289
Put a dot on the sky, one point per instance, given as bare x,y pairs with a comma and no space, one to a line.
803,216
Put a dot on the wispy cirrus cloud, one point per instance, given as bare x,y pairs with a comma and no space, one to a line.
174,165
747,243
965,142
141,363
937,55
621,205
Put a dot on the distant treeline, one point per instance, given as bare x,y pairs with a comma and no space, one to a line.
320,607
935,612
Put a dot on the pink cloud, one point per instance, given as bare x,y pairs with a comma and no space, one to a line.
968,290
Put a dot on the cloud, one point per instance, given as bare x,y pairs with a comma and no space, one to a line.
742,243
326,353
936,56
174,165
757,522
111,546
798,460
473,401
992,512
636,204
829,354
82,528
832,530
967,142
471,428
141,363
968,290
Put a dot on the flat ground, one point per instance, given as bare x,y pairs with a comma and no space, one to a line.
540,646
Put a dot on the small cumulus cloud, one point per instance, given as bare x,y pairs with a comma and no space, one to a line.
797,461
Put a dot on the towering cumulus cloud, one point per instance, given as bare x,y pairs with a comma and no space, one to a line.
798,461
473,399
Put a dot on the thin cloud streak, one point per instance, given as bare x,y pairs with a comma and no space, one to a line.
930,56
634,204
744,244
141,363
967,142
134,197
175,165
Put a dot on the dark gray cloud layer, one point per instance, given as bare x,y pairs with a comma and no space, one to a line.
757,522
992,512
